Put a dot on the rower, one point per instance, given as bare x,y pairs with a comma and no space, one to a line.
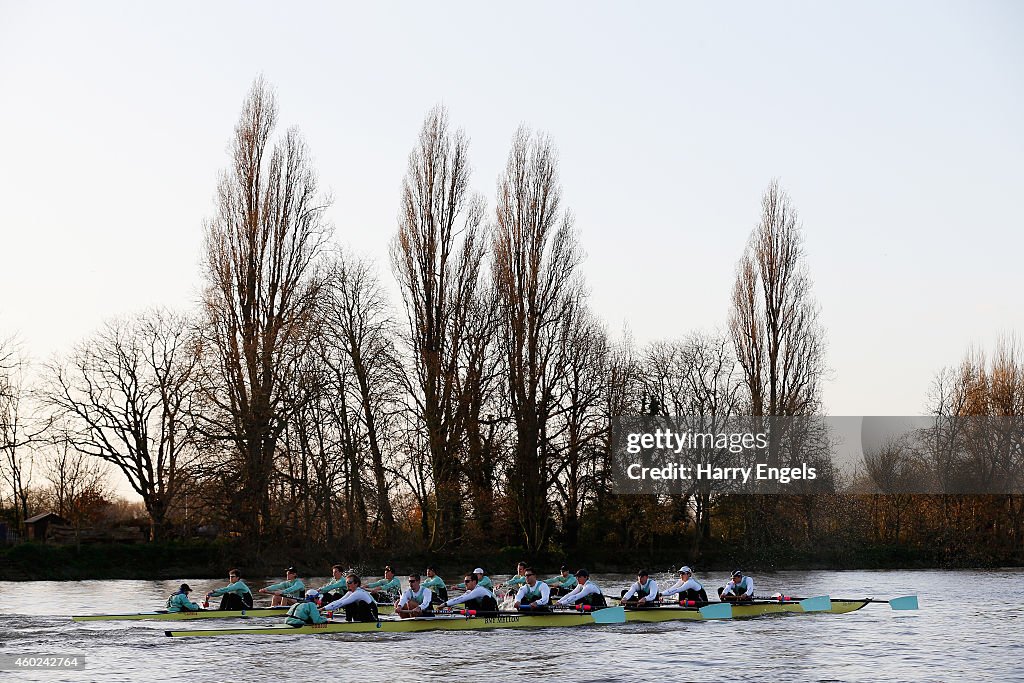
518,579
645,589
482,579
563,583
415,600
687,588
585,593
291,588
359,605
179,602
387,589
305,613
534,596
439,591
740,589
236,595
327,591
476,596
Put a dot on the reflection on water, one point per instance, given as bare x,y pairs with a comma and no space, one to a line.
969,627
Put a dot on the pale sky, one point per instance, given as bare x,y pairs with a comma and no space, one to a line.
897,128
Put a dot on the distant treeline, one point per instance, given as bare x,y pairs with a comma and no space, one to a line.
299,407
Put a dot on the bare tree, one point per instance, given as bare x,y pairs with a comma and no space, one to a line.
74,476
261,261
359,323
776,335
578,426
127,398
534,272
436,257
623,395
21,427
342,438
774,319
479,391
977,440
697,381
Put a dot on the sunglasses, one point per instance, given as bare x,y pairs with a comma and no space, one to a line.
350,583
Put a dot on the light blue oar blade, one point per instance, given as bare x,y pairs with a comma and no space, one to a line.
821,603
721,610
610,615
906,602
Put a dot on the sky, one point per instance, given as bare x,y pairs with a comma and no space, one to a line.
896,128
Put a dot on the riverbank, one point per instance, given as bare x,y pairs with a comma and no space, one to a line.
206,559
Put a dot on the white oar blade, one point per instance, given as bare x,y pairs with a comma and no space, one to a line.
906,602
722,610
821,603
610,615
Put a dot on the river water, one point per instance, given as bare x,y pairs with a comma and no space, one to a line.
970,627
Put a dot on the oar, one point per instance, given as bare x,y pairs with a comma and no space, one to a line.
610,615
718,610
906,602
820,603
901,603
650,604
636,603
576,608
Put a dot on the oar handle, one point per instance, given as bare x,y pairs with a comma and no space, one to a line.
778,598
573,608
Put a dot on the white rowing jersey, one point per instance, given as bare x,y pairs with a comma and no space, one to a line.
542,588
358,595
478,592
691,584
648,591
422,598
579,592
746,585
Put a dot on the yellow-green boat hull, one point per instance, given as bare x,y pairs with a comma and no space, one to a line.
454,623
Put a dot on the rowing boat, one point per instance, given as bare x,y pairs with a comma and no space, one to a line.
163,615
514,620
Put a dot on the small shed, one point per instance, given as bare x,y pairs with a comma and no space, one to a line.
35,527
